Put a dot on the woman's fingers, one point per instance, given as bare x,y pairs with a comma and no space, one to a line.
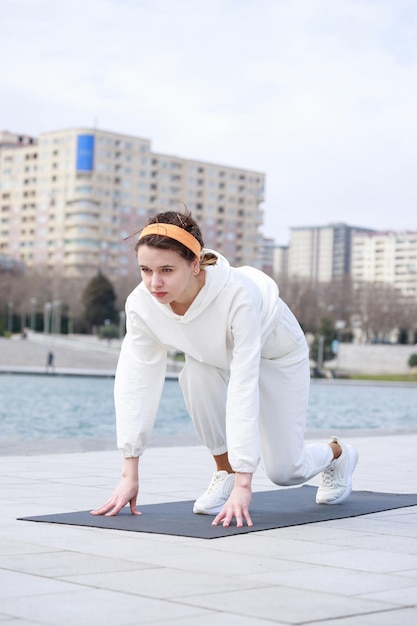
113,507
226,517
248,519
133,508
126,493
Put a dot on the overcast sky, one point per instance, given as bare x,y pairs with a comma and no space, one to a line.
320,95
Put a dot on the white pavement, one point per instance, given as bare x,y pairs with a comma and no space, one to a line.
353,572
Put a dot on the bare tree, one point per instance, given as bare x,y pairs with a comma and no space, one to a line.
302,298
380,308
123,285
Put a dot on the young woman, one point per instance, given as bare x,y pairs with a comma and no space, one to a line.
245,381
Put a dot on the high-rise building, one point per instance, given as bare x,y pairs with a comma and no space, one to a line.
386,257
321,253
280,263
70,198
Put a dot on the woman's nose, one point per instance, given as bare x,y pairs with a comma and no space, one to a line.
156,279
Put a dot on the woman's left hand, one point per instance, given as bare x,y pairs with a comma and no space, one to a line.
238,503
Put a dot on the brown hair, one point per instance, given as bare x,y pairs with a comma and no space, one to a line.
182,220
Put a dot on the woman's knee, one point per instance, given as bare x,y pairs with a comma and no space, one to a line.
283,476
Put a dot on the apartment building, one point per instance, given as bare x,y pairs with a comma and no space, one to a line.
321,253
388,257
280,264
70,199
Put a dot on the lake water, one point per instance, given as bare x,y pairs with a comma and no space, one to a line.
59,407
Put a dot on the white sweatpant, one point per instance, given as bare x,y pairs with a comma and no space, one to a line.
284,384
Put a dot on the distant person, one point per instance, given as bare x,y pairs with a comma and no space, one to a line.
50,367
245,381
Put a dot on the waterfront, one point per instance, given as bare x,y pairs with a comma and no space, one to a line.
59,407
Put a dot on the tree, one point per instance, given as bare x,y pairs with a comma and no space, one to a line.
381,310
301,297
327,332
99,301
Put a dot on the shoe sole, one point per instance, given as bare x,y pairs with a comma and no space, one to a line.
353,462
214,511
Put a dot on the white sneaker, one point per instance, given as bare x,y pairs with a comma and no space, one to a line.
215,497
336,480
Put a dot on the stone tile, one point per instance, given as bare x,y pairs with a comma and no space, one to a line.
10,547
97,606
288,605
377,542
340,581
213,560
411,573
406,596
165,583
271,544
215,619
6,620
319,532
58,564
363,560
378,525
395,617
16,585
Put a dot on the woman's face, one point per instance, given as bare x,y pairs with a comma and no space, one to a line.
167,276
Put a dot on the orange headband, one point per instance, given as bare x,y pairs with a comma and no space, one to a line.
173,232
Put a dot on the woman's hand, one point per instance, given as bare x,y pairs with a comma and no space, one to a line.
125,493
238,503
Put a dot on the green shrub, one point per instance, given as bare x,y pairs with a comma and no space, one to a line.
412,361
109,331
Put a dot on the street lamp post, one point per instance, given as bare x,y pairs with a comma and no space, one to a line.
10,316
340,325
122,324
55,318
46,318
320,355
33,314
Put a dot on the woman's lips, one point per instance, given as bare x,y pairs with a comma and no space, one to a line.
159,294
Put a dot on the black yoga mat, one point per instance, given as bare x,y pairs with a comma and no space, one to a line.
270,509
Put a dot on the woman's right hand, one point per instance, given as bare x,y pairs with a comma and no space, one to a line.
125,493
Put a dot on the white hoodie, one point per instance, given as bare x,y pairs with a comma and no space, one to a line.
227,326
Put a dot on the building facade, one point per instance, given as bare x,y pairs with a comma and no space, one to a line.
321,253
386,257
70,199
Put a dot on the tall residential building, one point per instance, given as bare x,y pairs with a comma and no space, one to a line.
268,246
321,253
70,198
275,259
280,264
388,257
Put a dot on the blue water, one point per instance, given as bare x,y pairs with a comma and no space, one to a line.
58,407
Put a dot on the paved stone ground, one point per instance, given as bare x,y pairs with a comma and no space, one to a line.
353,572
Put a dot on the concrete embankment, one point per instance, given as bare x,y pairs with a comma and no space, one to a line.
73,354
373,359
70,353
88,353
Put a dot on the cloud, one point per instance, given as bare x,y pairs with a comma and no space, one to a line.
321,96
